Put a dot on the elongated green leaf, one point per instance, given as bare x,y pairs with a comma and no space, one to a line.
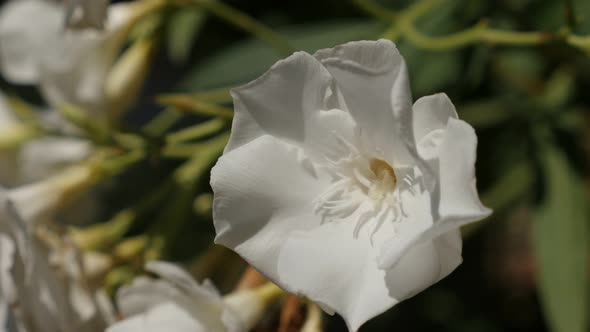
183,28
245,61
561,238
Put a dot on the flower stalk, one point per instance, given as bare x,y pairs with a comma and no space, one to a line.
193,105
403,25
16,135
197,131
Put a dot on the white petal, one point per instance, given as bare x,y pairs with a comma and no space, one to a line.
143,294
12,225
182,280
424,264
280,102
162,318
330,134
74,69
340,273
456,200
373,79
41,157
262,194
202,302
28,29
45,294
35,202
333,268
459,199
431,114
7,285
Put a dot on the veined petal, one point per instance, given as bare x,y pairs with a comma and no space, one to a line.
263,192
333,269
23,42
373,79
431,114
280,102
424,264
343,273
459,199
456,200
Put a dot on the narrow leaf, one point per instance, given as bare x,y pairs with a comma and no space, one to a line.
561,239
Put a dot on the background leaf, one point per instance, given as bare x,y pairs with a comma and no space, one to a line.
182,31
561,238
245,61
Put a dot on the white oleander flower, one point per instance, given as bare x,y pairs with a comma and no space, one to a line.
337,188
70,66
40,201
42,287
37,158
178,303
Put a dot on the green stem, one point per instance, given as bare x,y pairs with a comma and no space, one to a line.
203,157
475,34
181,151
197,131
392,33
190,104
246,23
162,122
405,26
104,235
220,95
581,42
117,165
374,9
97,130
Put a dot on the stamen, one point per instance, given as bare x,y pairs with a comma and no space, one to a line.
364,187
362,178
380,219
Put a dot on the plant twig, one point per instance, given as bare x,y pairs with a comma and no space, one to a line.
190,104
403,25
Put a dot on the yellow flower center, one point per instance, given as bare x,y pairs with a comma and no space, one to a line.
385,178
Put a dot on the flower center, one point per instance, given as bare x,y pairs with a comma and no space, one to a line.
365,187
385,179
